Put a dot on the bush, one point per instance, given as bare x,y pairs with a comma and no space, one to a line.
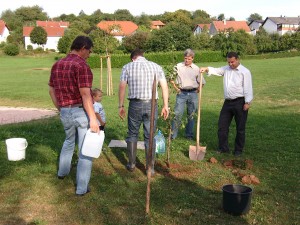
2,44
38,50
11,49
29,47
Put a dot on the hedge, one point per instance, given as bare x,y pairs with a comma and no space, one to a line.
162,58
168,58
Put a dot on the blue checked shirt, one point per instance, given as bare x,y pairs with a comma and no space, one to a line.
139,76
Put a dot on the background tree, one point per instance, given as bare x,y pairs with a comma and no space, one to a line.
137,40
65,41
221,17
263,41
254,16
296,40
180,16
200,16
202,41
103,42
231,18
38,36
143,20
64,17
123,15
29,15
95,18
173,36
81,24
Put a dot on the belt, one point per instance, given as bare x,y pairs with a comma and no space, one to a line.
188,90
140,100
73,106
232,100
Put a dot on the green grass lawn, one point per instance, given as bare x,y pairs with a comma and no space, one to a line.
189,192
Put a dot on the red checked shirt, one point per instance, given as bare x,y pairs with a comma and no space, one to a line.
67,76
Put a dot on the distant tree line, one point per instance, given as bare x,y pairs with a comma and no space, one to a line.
177,35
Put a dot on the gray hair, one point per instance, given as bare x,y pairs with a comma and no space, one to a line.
189,52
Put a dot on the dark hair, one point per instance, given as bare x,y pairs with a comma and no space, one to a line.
232,54
82,42
136,52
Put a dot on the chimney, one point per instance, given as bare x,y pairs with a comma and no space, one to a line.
224,21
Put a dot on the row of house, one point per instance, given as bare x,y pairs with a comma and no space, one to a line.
120,29
279,25
55,30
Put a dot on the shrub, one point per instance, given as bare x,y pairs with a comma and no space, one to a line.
29,47
11,49
2,44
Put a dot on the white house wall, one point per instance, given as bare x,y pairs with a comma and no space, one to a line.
52,43
4,36
270,27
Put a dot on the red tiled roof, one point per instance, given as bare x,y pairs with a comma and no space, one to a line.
51,31
52,23
236,25
157,23
2,26
123,28
202,25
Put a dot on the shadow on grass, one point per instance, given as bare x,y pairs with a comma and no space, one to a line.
31,192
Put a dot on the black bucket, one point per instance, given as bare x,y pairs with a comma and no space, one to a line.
236,199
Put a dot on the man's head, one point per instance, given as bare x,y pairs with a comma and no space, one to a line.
233,60
188,57
83,45
136,53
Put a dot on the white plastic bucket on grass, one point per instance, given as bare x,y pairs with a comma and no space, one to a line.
16,148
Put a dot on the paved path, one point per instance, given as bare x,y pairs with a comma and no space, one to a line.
10,115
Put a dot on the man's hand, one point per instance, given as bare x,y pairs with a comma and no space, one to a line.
94,126
122,113
204,70
165,112
246,107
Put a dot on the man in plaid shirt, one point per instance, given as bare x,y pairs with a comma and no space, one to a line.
139,76
70,90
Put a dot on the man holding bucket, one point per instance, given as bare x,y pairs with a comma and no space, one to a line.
70,90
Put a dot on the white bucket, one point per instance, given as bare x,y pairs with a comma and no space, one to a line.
92,144
16,148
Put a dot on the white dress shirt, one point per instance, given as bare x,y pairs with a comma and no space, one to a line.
237,82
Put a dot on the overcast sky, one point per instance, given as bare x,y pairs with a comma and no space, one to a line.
238,9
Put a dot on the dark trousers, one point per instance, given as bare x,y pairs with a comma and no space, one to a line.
230,109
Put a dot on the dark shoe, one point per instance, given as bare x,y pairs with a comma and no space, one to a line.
87,191
61,177
130,168
222,151
237,153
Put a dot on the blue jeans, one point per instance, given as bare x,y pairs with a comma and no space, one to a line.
190,99
140,112
75,122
